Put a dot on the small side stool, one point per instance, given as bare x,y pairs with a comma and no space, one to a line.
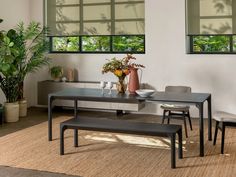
223,119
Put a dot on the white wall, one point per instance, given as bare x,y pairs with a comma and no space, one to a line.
165,59
13,12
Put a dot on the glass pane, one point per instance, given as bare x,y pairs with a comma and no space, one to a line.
127,0
95,1
128,43
234,43
129,11
65,29
102,28
97,12
215,7
131,27
66,44
216,26
67,14
96,43
211,44
66,2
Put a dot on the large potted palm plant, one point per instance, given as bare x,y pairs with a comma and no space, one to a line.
33,46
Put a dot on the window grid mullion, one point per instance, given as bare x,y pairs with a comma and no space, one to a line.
81,13
113,17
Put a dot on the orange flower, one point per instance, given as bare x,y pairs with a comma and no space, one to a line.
126,71
118,72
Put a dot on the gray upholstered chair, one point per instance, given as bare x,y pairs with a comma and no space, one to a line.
223,119
177,111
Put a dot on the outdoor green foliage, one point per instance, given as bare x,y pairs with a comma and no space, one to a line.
128,43
234,43
67,44
125,44
211,43
96,43
22,51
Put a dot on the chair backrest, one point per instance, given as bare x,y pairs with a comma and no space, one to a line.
178,89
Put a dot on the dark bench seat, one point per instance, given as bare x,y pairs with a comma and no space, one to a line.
123,126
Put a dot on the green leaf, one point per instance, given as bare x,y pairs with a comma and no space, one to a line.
11,44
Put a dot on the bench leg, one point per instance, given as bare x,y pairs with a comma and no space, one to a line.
216,132
180,144
76,144
172,137
62,130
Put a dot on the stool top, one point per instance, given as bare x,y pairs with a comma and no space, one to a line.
224,116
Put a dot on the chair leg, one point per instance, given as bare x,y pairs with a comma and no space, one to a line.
189,119
223,138
168,119
185,126
216,131
164,116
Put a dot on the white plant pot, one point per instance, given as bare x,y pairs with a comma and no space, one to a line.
12,112
23,108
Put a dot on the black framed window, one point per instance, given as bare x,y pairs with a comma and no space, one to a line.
96,26
210,26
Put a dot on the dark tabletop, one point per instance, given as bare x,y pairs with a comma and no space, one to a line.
179,97
96,95
89,94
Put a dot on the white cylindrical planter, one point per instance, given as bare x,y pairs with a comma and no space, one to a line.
23,108
12,112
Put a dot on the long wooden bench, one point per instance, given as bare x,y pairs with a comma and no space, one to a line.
123,126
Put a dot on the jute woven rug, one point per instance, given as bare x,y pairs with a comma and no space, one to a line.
114,155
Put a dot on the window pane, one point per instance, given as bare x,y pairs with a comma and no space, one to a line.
67,14
127,11
102,28
131,27
128,43
216,26
67,2
211,44
97,12
95,1
96,43
65,29
215,7
234,43
127,0
67,44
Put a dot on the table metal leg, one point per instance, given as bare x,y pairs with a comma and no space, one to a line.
201,129
209,119
76,116
50,100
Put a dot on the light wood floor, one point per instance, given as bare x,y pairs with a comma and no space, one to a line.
24,145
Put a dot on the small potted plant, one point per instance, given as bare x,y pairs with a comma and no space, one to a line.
56,73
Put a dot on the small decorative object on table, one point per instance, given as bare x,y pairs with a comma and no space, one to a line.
56,73
120,68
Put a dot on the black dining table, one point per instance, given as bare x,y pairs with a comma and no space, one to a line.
89,94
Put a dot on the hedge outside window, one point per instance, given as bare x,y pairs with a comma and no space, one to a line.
96,26
210,26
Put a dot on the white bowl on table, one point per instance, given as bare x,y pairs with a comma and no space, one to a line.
145,92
